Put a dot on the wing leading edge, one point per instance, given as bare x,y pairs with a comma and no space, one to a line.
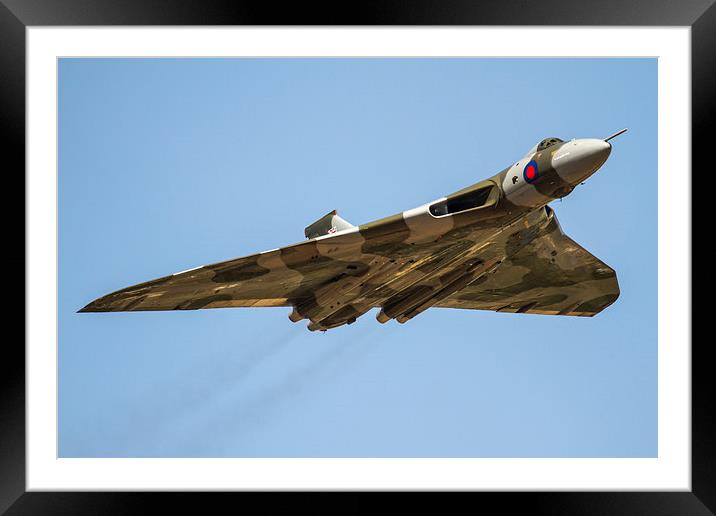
272,278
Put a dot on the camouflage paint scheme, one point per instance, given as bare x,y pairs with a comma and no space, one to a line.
495,245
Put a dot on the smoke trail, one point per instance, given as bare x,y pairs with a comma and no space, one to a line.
332,361
319,370
230,374
224,377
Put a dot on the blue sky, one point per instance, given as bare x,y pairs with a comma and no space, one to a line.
167,164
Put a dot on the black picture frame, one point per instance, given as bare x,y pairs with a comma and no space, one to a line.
16,15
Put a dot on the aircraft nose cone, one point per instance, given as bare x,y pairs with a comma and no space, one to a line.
579,159
596,152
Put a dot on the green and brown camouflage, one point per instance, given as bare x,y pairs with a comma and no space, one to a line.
495,245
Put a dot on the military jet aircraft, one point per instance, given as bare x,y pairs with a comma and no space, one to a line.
495,245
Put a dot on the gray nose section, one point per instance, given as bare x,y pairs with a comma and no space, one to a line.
579,159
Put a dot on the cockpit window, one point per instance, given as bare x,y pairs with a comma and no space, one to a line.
548,142
469,200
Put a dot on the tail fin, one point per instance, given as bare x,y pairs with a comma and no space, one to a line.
326,225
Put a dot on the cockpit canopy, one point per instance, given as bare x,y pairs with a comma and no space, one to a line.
548,142
545,144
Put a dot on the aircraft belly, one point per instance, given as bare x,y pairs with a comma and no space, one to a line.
394,279
490,248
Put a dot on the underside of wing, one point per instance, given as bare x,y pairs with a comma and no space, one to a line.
551,275
338,276
273,278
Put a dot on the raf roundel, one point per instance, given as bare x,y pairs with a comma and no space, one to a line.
531,172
